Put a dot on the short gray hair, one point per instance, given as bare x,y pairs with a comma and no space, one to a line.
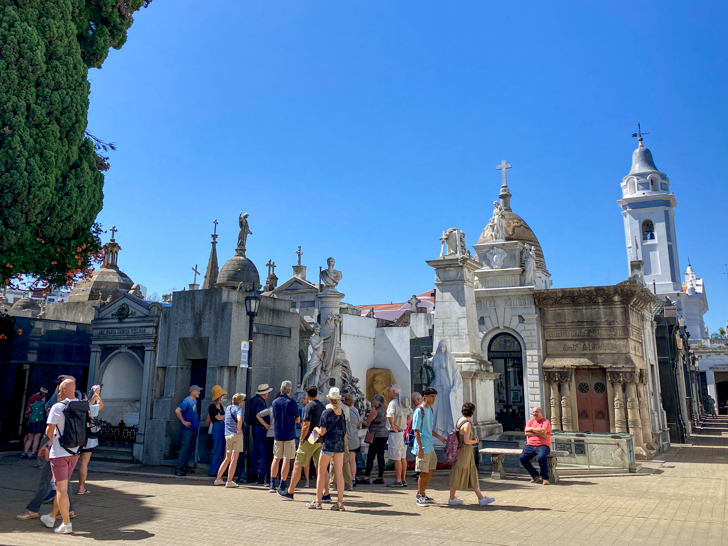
286,387
396,388
416,396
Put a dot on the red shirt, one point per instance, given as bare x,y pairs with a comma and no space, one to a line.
537,440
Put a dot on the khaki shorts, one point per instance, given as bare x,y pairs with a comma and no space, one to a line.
284,449
396,450
306,451
427,464
234,443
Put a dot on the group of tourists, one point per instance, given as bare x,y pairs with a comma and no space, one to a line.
67,436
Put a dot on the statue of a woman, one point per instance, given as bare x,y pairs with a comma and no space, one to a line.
499,228
529,263
449,386
244,231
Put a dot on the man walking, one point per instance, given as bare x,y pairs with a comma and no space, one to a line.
424,447
285,417
538,444
306,450
258,459
190,422
63,460
398,412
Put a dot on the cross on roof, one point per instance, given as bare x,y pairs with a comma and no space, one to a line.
271,267
214,232
196,273
299,255
502,167
113,231
639,133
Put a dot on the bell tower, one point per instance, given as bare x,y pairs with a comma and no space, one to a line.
649,222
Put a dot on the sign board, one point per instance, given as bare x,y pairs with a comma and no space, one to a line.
244,352
271,330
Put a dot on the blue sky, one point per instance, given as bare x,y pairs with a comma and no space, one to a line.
362,130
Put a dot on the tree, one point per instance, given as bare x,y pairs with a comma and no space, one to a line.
51,187
721,331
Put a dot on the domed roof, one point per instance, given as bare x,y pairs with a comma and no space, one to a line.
26,304
517,229
642,161
105,284
236,270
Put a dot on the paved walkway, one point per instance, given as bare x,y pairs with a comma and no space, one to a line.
678,499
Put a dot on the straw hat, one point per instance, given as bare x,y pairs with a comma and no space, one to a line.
217,392
264,388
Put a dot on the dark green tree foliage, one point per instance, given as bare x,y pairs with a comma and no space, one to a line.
50,184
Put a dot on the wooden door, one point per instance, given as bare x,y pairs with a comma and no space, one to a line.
592,402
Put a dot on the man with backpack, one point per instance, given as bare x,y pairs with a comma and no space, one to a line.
424,447
35,413
66,431
398,412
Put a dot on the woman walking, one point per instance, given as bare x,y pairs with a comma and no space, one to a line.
233,440
464,474
352,434
378,433
332,427
216,412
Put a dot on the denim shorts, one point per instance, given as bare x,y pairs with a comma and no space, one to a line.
328,453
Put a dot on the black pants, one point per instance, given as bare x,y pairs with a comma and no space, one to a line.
376,448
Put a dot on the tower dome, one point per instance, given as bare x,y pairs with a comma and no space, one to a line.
239,271
517,229
642,161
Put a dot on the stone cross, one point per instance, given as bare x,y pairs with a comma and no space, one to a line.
113,231
214,232
502,167
271,267
196,273
413,303
299,255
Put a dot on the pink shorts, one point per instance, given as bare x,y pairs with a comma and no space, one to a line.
62,467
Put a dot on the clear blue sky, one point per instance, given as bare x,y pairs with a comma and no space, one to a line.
363,129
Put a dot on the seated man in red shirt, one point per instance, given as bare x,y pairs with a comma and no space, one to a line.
538,444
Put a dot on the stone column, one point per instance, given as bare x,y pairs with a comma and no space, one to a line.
634,423
145,403
567,418
645,412
620,414
93,370
552,387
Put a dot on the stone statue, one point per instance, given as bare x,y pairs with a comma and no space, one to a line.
449,385
499,230
244,230
529,265
330,276
370,314
455,241
413,301
315,359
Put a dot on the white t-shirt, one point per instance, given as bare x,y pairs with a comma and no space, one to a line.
398,414
91,443
56,417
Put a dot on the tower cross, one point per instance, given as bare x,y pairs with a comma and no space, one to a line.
214,231
639,133
502,167
196,273
271,267
113,231
299,255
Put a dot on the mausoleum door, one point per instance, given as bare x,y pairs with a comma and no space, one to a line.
592,401
721,391
504,352
198,376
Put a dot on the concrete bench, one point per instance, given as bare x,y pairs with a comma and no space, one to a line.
497,455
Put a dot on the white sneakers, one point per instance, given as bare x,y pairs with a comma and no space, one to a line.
456,501
218,482
231,484
486,500
48,521
64,529
482,502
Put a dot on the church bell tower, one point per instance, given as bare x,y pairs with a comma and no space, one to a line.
649,222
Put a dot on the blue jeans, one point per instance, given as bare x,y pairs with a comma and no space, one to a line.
186,448
44,487
218,447
259,455
541,453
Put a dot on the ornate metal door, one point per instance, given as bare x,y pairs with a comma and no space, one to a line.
591,399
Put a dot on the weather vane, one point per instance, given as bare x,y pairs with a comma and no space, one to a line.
639,133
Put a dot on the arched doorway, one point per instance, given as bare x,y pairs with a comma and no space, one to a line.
122,389
504,352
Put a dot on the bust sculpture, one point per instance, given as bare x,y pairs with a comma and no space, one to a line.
330,276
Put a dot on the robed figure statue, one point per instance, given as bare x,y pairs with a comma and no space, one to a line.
449,386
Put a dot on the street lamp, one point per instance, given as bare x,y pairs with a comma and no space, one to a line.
252,304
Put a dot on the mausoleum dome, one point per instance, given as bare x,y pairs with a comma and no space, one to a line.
516,229
236,270
107,282
26,304
642,161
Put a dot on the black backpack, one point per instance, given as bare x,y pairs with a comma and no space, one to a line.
74,429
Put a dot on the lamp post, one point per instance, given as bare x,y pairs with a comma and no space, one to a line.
252,304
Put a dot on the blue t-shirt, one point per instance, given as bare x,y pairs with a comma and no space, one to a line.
189,413
335,426
422,421
285,412
231,419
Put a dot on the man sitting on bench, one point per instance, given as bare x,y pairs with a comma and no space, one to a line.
538,444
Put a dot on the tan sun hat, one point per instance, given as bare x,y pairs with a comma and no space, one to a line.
264,388
217,392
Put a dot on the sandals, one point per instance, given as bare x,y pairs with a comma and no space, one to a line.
28,515
84,492
314,505
338,507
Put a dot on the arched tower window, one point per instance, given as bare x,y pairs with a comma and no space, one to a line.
648,230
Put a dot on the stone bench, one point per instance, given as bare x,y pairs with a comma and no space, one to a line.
497,455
